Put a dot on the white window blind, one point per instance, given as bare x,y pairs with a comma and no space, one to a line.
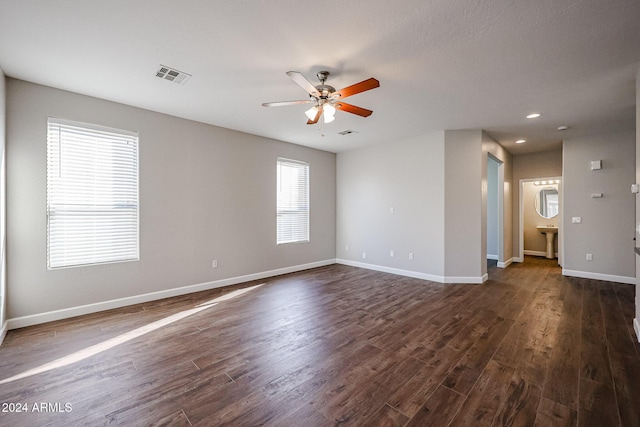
293,201
92,194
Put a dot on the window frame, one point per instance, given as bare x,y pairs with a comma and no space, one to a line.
306,206
56,197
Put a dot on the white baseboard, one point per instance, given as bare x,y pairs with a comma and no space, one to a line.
538,253
505,264
636,327
534,253
492,257
414,274
599,276
50,316
518,259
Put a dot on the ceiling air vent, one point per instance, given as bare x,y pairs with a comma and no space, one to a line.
172,75
347,132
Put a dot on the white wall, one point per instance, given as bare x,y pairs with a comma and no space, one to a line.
3,235
436,185
205,193
465,247
492,209
407,176
505,180
636,321
607,227
530,166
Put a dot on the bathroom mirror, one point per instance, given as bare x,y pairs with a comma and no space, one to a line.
546,202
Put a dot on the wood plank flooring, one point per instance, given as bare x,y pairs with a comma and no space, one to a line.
339,345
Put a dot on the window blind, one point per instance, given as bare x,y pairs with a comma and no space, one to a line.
292,201
92,194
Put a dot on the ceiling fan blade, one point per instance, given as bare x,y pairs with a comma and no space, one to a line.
303,82
356,88
283,103
317,117
353,109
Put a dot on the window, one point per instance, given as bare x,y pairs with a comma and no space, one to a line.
293,201
92,194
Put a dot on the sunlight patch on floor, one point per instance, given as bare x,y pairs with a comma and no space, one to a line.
128,336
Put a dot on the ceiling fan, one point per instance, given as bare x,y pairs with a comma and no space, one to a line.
327,99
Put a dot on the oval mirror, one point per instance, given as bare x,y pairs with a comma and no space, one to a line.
546,202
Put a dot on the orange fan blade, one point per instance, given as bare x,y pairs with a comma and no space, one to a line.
353,109
316,118
356,88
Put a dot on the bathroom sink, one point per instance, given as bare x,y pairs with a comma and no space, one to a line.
550,231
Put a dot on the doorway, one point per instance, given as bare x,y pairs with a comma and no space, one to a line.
495,211
541,211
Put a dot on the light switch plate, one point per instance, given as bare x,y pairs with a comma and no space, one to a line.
576,220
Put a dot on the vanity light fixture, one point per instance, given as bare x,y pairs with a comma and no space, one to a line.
520,141
533,115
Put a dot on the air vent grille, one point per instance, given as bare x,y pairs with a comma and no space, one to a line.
172,75
347,132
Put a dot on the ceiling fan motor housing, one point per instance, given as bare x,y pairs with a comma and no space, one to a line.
322,75
325,90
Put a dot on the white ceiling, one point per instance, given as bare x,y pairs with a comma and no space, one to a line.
442,64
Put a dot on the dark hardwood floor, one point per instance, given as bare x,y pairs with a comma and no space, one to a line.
340,346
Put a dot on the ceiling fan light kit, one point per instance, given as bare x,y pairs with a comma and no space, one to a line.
325,98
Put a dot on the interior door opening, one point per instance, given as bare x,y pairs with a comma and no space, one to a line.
495,211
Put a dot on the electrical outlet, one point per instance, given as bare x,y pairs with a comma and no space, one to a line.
392,254
576,220
214,263
589,257
364,255
410,255
346,248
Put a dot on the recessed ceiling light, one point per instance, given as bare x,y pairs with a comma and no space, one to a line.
561,128
533,115
520,141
